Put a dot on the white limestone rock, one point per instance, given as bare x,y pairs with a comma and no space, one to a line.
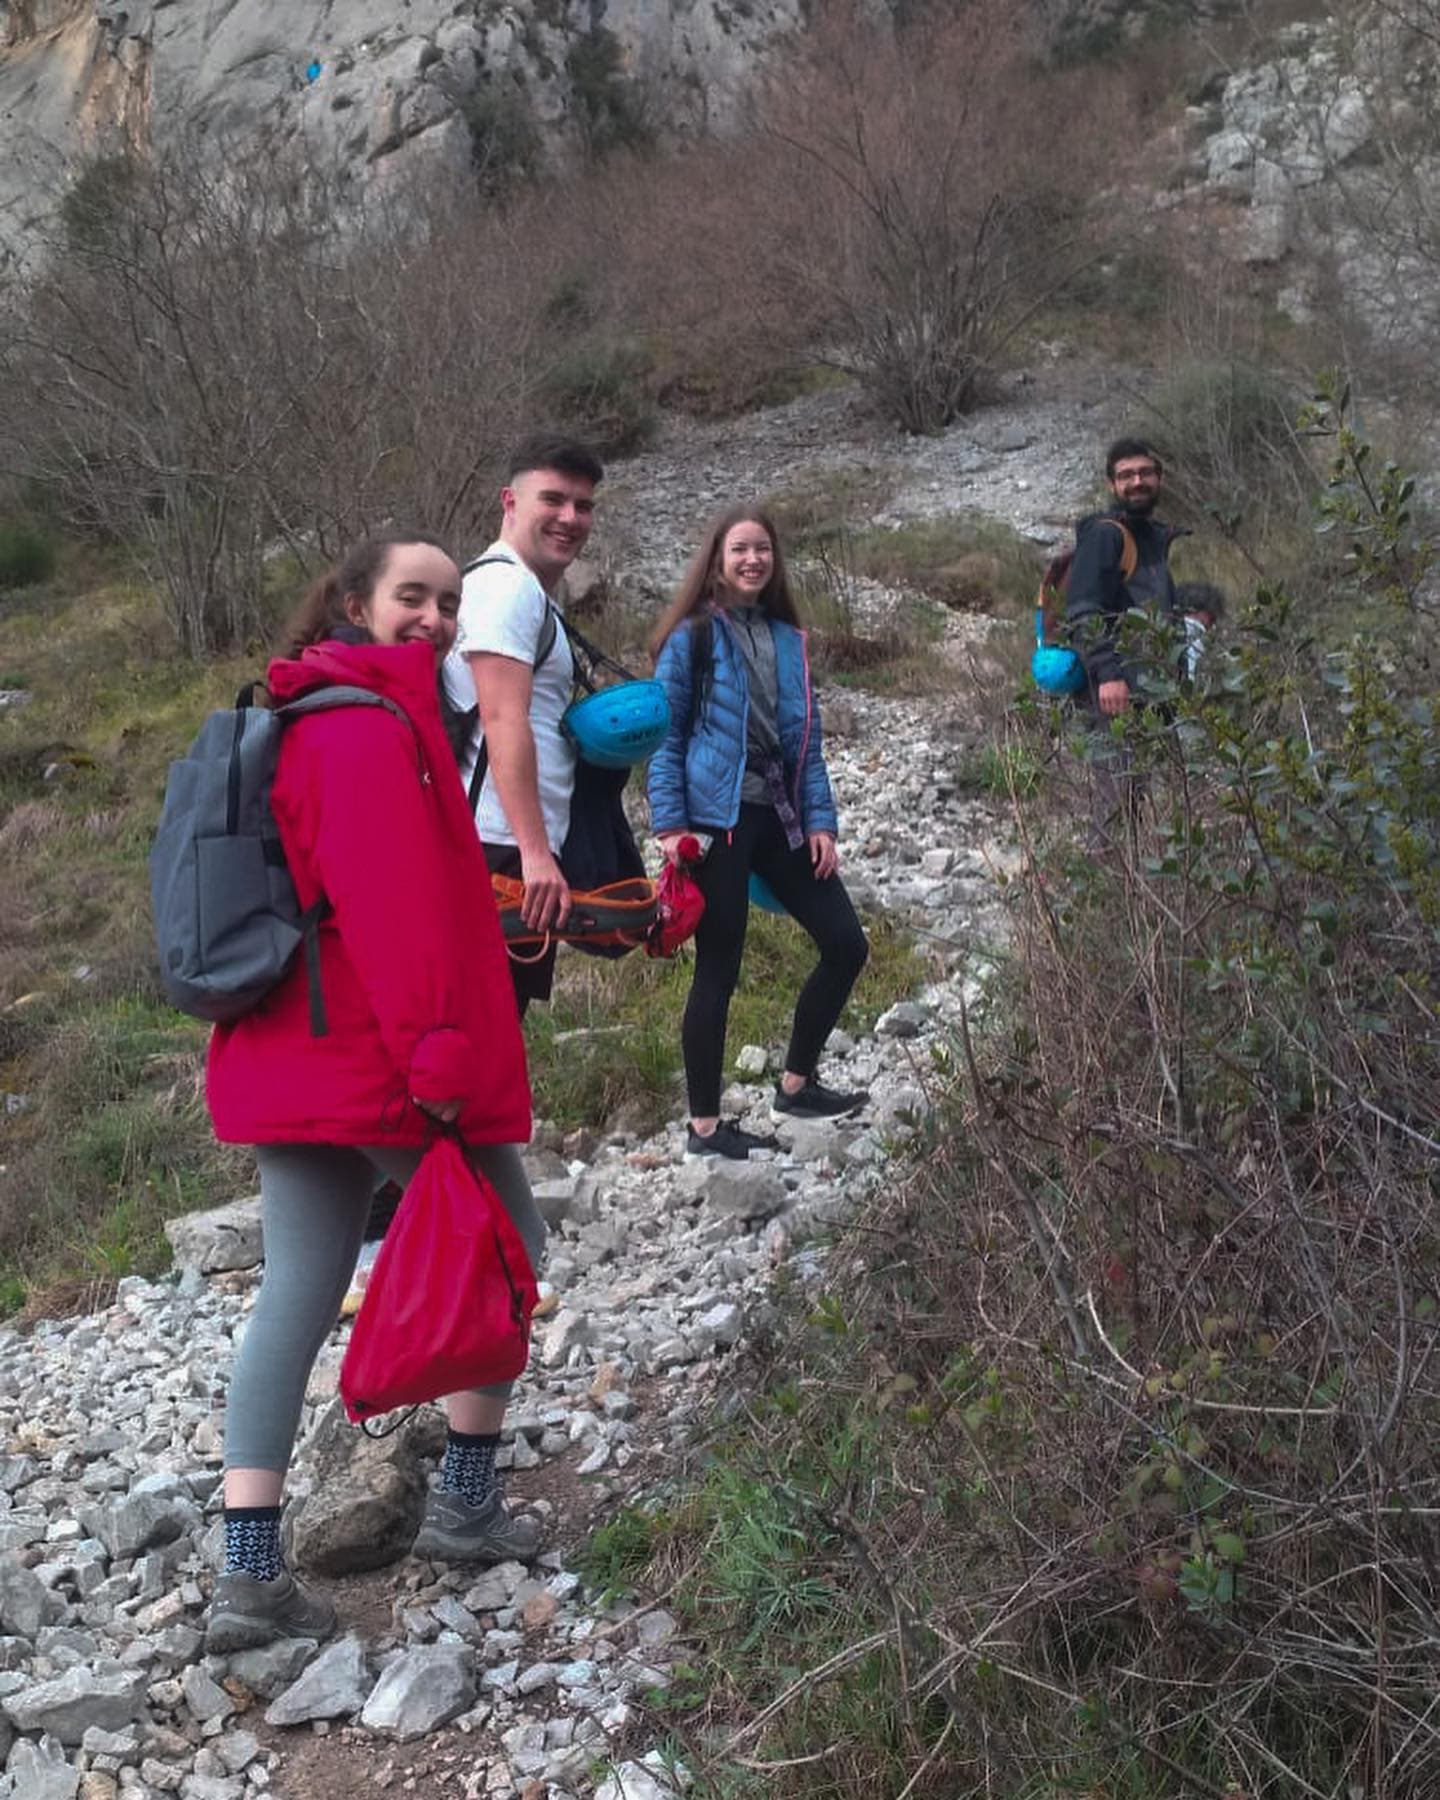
334,1686
421,1690
225,1237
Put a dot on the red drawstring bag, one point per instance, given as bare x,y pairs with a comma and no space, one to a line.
448,1304
679,904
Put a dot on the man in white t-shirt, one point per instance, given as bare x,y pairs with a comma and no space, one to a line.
513,660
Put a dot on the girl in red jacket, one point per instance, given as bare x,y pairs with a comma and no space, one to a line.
420,1026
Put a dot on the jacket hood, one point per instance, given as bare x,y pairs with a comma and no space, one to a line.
404,673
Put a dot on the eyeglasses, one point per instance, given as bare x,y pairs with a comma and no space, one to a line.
1149,472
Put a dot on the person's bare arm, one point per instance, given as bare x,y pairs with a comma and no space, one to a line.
502,688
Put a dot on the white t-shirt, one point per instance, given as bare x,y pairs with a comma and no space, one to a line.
502,611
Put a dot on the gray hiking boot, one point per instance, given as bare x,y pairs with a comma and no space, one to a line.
246,1613
455,1531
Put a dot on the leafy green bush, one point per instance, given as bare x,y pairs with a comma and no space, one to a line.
27,554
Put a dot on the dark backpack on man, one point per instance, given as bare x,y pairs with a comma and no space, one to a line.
1055,667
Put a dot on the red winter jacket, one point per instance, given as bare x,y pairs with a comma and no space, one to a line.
417,990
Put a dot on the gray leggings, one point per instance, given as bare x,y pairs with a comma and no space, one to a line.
315,1201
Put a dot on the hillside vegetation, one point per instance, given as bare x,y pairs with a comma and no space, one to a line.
1100,1461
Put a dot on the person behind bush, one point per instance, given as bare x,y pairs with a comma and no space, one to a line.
742,765
1202,605
421,1027
1098,596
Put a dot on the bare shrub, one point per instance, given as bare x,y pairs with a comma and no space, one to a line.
670,247
137,366
1225,425
228,352
895,210
912,202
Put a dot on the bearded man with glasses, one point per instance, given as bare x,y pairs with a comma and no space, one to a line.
1121,566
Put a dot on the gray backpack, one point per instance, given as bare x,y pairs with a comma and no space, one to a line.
227,919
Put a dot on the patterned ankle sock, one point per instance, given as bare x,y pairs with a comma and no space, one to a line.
469,1465
252,1542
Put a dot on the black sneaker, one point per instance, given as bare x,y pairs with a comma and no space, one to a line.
816,1101
727,1139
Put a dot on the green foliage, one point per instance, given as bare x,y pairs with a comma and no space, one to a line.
901,660
1001,770
506,143
819,510
618,1551
766,1568
601,385
610,106
602,389
959,562
117,1141
966,561
27,554
1369,506
115,1137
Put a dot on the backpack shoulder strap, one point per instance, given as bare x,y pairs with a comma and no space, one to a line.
491,556
1050,600
549,632
1129,549
549,629
544,644
330,699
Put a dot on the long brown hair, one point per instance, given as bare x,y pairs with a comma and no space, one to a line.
699,588
322,612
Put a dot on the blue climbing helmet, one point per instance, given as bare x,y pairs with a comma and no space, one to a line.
1056,670
616,727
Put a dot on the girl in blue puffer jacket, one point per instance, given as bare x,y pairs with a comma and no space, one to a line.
742,767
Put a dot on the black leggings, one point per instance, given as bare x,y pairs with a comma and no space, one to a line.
822,907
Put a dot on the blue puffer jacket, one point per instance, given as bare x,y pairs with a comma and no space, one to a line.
696,773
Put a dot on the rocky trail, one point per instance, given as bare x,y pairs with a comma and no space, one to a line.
509,1682
1028,460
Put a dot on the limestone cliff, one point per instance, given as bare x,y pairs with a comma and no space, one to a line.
377,80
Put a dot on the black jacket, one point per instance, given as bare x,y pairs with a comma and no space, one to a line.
1096,591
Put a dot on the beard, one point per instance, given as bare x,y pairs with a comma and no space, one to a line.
1140,506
